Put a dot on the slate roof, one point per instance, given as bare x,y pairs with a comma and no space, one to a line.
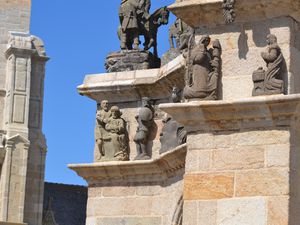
68,203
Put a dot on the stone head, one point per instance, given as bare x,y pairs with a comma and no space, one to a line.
205,40
146,102
115,112
271,39
104,105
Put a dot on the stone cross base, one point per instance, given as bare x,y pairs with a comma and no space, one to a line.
242,163
127,60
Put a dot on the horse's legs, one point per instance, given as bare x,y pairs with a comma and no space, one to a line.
136,40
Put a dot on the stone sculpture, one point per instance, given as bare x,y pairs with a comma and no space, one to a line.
176,95
179,36
135,20
203,70
111,137
172,135
145,123
181,32
228,11
101,135
129,34
270,81
116,127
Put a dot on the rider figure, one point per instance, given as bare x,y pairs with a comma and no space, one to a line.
129,23
144,9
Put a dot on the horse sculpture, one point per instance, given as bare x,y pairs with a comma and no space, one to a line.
148,28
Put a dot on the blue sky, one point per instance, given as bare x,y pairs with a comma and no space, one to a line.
77,35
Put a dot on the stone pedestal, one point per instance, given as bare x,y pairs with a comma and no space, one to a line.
242,163
128,60
241,166
139,192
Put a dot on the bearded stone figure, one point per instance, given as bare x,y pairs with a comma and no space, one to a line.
203,70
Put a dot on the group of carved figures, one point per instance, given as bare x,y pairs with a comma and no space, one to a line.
136,20
203,70
111,135
202,78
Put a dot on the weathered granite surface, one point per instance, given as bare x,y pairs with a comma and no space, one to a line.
128,60
241,160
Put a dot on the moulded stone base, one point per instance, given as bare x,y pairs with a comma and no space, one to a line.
128,60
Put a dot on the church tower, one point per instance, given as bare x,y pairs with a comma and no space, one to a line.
22,143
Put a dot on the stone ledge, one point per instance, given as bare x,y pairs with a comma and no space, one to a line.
8,223
255,112
163,167
132,85
209,12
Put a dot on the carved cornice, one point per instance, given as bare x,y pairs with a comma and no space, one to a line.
24,44
132,85
255,112
133,171
209,12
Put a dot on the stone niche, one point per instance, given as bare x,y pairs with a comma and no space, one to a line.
240,164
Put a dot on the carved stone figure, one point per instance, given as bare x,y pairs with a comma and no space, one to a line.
101,135
112,142
270,81
176,95
145,122
228,10
116,128
203,70
179,36
129,24
181,32
172,135
135,20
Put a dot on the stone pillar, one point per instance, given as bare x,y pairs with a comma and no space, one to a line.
242,164
23,119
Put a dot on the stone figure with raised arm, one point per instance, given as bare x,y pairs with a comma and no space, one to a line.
102,116
119,141
145,122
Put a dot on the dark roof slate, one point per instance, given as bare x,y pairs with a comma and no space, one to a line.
68,203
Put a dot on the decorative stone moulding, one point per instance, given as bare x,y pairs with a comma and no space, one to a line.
132,85
209,12
250,113
163,167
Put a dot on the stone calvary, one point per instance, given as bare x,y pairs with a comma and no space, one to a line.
198,138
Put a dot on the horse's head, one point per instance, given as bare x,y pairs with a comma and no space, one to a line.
161,16
164,15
